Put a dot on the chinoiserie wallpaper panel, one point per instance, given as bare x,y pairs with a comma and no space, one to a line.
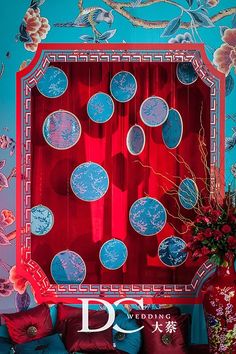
212,22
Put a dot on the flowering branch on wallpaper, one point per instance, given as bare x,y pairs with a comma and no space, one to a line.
4,181
14,281
6,219
33,28
225,56
230,142
7,143
92,17
197,12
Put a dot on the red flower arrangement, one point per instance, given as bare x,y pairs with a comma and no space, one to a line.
214,234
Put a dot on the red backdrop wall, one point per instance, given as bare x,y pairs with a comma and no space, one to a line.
82,226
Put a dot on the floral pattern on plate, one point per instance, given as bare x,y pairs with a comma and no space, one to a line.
135,140
171,251
89,181
61,130
68,267
154,111
123,86
113,254
100,107
172,129
42,220
186,74
147,216
53,83
188,193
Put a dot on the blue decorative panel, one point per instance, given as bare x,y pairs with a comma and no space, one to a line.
147,216
113,254
100,107
53,83
42,220
188,193
68,267
154,111
172,129
123,86
135,140
61,129
89,181
171,251
186,73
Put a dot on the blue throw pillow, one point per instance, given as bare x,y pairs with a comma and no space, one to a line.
5,346
47,345
128,342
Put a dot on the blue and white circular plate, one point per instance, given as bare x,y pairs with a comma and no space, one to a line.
61,130
172,129
100,107
135,140
123,86
89,181
154,111
113,254
42,220
186,74
53,83
188,193
171,251
147,216
68,267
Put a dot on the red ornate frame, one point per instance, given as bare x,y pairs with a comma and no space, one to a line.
28,78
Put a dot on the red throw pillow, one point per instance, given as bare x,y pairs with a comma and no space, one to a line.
29,325
66,312
163,332
99,342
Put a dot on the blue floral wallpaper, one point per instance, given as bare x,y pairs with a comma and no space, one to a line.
24,25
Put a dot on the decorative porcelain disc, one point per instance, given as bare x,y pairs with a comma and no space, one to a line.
186,74
171,251
100,107
188,193
123,86
42,220
89,181
68,267
147,216
135,140
113,254
172,129
61,130
53,83
154,111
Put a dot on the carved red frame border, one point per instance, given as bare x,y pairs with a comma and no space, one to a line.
26,79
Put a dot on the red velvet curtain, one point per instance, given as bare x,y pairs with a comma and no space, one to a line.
82,226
